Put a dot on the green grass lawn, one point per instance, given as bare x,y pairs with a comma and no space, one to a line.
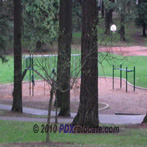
6,71
138,61
13,131
105,69
133,35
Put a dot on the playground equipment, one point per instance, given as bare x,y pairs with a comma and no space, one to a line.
127,71
29,66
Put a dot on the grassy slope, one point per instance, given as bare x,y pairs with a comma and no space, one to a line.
138,61
12,131
133,35
133,38
6,69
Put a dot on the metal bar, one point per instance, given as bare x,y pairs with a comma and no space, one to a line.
32,76
120,76
36,56
134,78
126,79
29,82
113,77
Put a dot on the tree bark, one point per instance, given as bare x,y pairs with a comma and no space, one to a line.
145,119
102,9
107,21
122,28
17,94
111,13
144,30
64,56
49,113
1,4
88,108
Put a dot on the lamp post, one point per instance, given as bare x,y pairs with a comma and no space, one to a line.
113,29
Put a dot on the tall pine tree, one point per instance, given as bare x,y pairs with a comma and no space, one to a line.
141,20
17,93
88,108
64,53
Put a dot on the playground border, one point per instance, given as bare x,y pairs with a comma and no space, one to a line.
106,107
138,87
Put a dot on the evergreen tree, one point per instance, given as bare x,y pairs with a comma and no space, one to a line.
64,56
6,17
141,19
76,15
125,9
40,22
17,93
88,108
109,6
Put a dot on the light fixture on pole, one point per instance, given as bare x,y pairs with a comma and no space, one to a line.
113,28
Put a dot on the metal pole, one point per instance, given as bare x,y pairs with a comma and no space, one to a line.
126,79
113,77
74,66
134,78
56,117
111,40
120,75
30,76
44,87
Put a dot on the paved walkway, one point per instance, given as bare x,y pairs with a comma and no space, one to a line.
104,119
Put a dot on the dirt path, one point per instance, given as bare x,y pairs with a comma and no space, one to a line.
126,51
118,99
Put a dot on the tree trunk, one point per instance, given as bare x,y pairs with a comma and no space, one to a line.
49,114
102,9
1,4
144,30
17,94
111,13
122,29
145,119
64,56
139,2
88,109
107,21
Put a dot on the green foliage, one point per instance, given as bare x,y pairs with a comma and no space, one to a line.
109,4
142,13
40,21
126,9
76,15
5,26
3,31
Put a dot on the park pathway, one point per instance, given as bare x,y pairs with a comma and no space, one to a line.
104,119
